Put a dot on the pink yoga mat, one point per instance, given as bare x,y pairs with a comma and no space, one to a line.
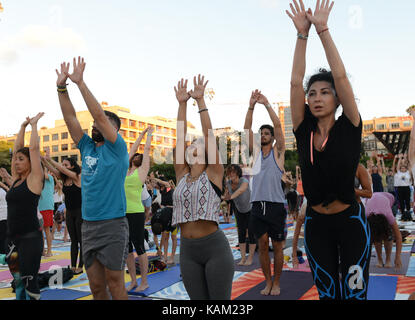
6,275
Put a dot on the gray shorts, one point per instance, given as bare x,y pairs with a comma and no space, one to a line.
106,241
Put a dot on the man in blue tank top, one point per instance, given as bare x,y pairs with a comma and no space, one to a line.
268,212
104,168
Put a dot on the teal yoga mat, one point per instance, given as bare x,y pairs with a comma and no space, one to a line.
63,294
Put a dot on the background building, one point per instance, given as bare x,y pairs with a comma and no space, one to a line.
60,145
284,113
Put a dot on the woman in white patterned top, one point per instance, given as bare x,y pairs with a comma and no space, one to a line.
206,259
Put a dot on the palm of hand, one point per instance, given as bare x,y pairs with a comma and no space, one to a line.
198,92
301,22
182,95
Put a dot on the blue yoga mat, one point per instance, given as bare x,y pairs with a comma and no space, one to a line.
226,225
63,294
382,288
159,280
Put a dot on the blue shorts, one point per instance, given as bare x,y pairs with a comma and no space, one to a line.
147,202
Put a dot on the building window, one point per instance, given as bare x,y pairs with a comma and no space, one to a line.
45,138
159,129
133,123
395,125
46,149
55,148
123,133
64,147
167,141
407,124
132,134
368,127
55,159
73,146
381,126
64,135
55,136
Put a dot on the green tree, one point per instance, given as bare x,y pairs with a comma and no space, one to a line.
5,158
167,170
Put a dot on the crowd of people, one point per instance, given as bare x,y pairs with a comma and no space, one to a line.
106,202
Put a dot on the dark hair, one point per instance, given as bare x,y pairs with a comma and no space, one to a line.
322,75
131,160
25,151
154,207
156,228
234,168
76,168
114,118
267,126
379,227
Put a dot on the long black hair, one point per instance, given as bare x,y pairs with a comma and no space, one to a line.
76,168
379,227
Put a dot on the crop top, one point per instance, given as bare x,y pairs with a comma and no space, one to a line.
198,200
329,175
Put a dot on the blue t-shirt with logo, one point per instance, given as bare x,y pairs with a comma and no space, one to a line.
46,201
104,169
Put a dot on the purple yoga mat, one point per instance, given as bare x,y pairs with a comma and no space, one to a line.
413,248
6,275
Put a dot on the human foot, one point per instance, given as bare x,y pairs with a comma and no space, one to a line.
248,262
275,291
380,264
267,290
388,264
242,262
142,287
132,286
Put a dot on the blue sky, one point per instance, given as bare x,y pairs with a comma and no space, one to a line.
136,51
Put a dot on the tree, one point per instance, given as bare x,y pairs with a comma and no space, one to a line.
5,157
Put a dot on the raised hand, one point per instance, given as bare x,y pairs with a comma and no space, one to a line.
299,17
26,122
262,99
254,98
321,14
35,119
181,91
150,130
63,75
198,91
78,71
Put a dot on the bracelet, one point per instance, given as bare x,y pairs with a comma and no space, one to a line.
302,37
322,31
62,87
268,106
62,90
200,111
250,108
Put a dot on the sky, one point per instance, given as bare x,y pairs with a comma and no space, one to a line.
136,51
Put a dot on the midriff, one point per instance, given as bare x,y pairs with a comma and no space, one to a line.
334,207
197,229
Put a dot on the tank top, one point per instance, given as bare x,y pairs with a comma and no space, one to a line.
197,200
21,210
266,185
73,197
3,205
167,197
133,188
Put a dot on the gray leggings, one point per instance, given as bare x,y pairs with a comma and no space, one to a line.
207,267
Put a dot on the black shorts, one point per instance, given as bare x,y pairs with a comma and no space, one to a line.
270,218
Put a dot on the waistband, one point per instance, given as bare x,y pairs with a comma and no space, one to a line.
218,233
355,206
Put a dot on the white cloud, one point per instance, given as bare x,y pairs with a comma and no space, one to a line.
38,36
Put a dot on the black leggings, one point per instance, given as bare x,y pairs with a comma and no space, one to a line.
339,244
404,194
3,243
74,224
242,222
136,227
29,248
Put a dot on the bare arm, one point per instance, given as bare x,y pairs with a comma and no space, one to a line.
35,178
411,151
248,120
394,164
4,186
297,95
179,159
102,122
68,110
398,238
18,144
244,186
137,143
7,178
297,231
145,165
365,181
214,166
343,87
61,169
50,167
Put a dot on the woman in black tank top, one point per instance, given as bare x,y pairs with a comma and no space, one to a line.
70,173
23,229
329,152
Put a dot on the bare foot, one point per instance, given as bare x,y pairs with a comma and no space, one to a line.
132,286
78,270
242,262
48,254
248,262
142,287
380,264
170,261
388,264
275,290
266,291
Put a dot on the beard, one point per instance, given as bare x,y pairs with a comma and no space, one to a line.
137,162
97,136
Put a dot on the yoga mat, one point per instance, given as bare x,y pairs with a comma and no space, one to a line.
405,256
159,280
62,294
226,225
411,267
293,286
59,263
413,248
382,288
